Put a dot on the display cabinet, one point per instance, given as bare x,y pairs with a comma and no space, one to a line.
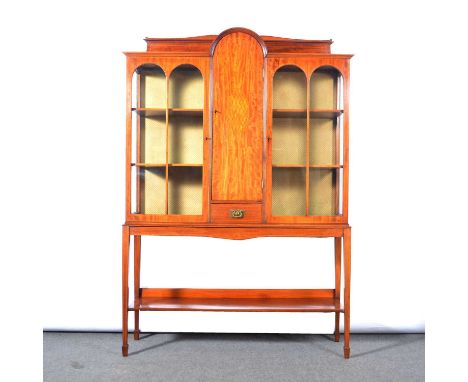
237,136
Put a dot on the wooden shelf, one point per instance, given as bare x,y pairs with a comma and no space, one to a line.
161,112
186,112
301,113
289,113
325,114
331,166
164,165
325,166
150,112
289,166
240,300
185,165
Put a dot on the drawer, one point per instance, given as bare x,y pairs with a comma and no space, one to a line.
236,213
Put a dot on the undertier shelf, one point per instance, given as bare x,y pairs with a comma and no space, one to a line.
239,300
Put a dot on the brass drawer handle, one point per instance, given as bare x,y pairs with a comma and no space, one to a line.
237,214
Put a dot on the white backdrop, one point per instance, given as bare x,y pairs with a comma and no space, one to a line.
63,153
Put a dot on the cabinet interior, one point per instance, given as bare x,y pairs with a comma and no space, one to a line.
290,139
152,190
185,139
186,88
306,137
306,144
185,190
152,87
288,191
169,123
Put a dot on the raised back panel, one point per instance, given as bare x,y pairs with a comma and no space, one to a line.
237,118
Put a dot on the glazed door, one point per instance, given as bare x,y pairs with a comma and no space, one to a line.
169,182
237,118
306,157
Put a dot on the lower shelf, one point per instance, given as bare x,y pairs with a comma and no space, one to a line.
239,300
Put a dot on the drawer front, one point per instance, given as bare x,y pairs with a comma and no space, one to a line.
236,213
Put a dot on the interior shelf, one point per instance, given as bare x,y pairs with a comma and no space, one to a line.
285,113
186,112
161,112
150,112
325,113
289,165
164,165
331,166
240,300
314,113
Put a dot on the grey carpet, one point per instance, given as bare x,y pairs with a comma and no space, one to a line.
232,357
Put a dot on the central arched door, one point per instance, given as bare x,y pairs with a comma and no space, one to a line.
237,109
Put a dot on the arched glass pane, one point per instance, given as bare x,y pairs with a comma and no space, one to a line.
325,141
186,88
149,139
289,88
324,88
289,142
152,87
185,141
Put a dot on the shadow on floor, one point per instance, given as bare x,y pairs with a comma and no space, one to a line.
223,337
399,340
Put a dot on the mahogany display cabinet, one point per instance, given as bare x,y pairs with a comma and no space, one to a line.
237,136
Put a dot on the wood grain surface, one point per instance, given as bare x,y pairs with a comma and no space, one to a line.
237,118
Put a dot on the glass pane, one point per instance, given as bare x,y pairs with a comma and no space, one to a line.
324,89
152,87
185,190
289,139
149,139
323,141
186,123
185,138
152,190
325,96
288,191
289,142
289,88
152,139
186,88
185,150
324,198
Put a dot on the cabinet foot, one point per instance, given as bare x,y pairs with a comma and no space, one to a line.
346,352
125,350
337,336
136,335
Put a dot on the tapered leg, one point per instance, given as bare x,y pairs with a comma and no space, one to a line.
136,278
347,290
337,285
125,254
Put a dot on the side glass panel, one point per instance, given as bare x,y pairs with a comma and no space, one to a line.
289,142
149,139
167,155
325,153
185,134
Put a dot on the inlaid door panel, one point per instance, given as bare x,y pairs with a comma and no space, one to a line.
237,118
